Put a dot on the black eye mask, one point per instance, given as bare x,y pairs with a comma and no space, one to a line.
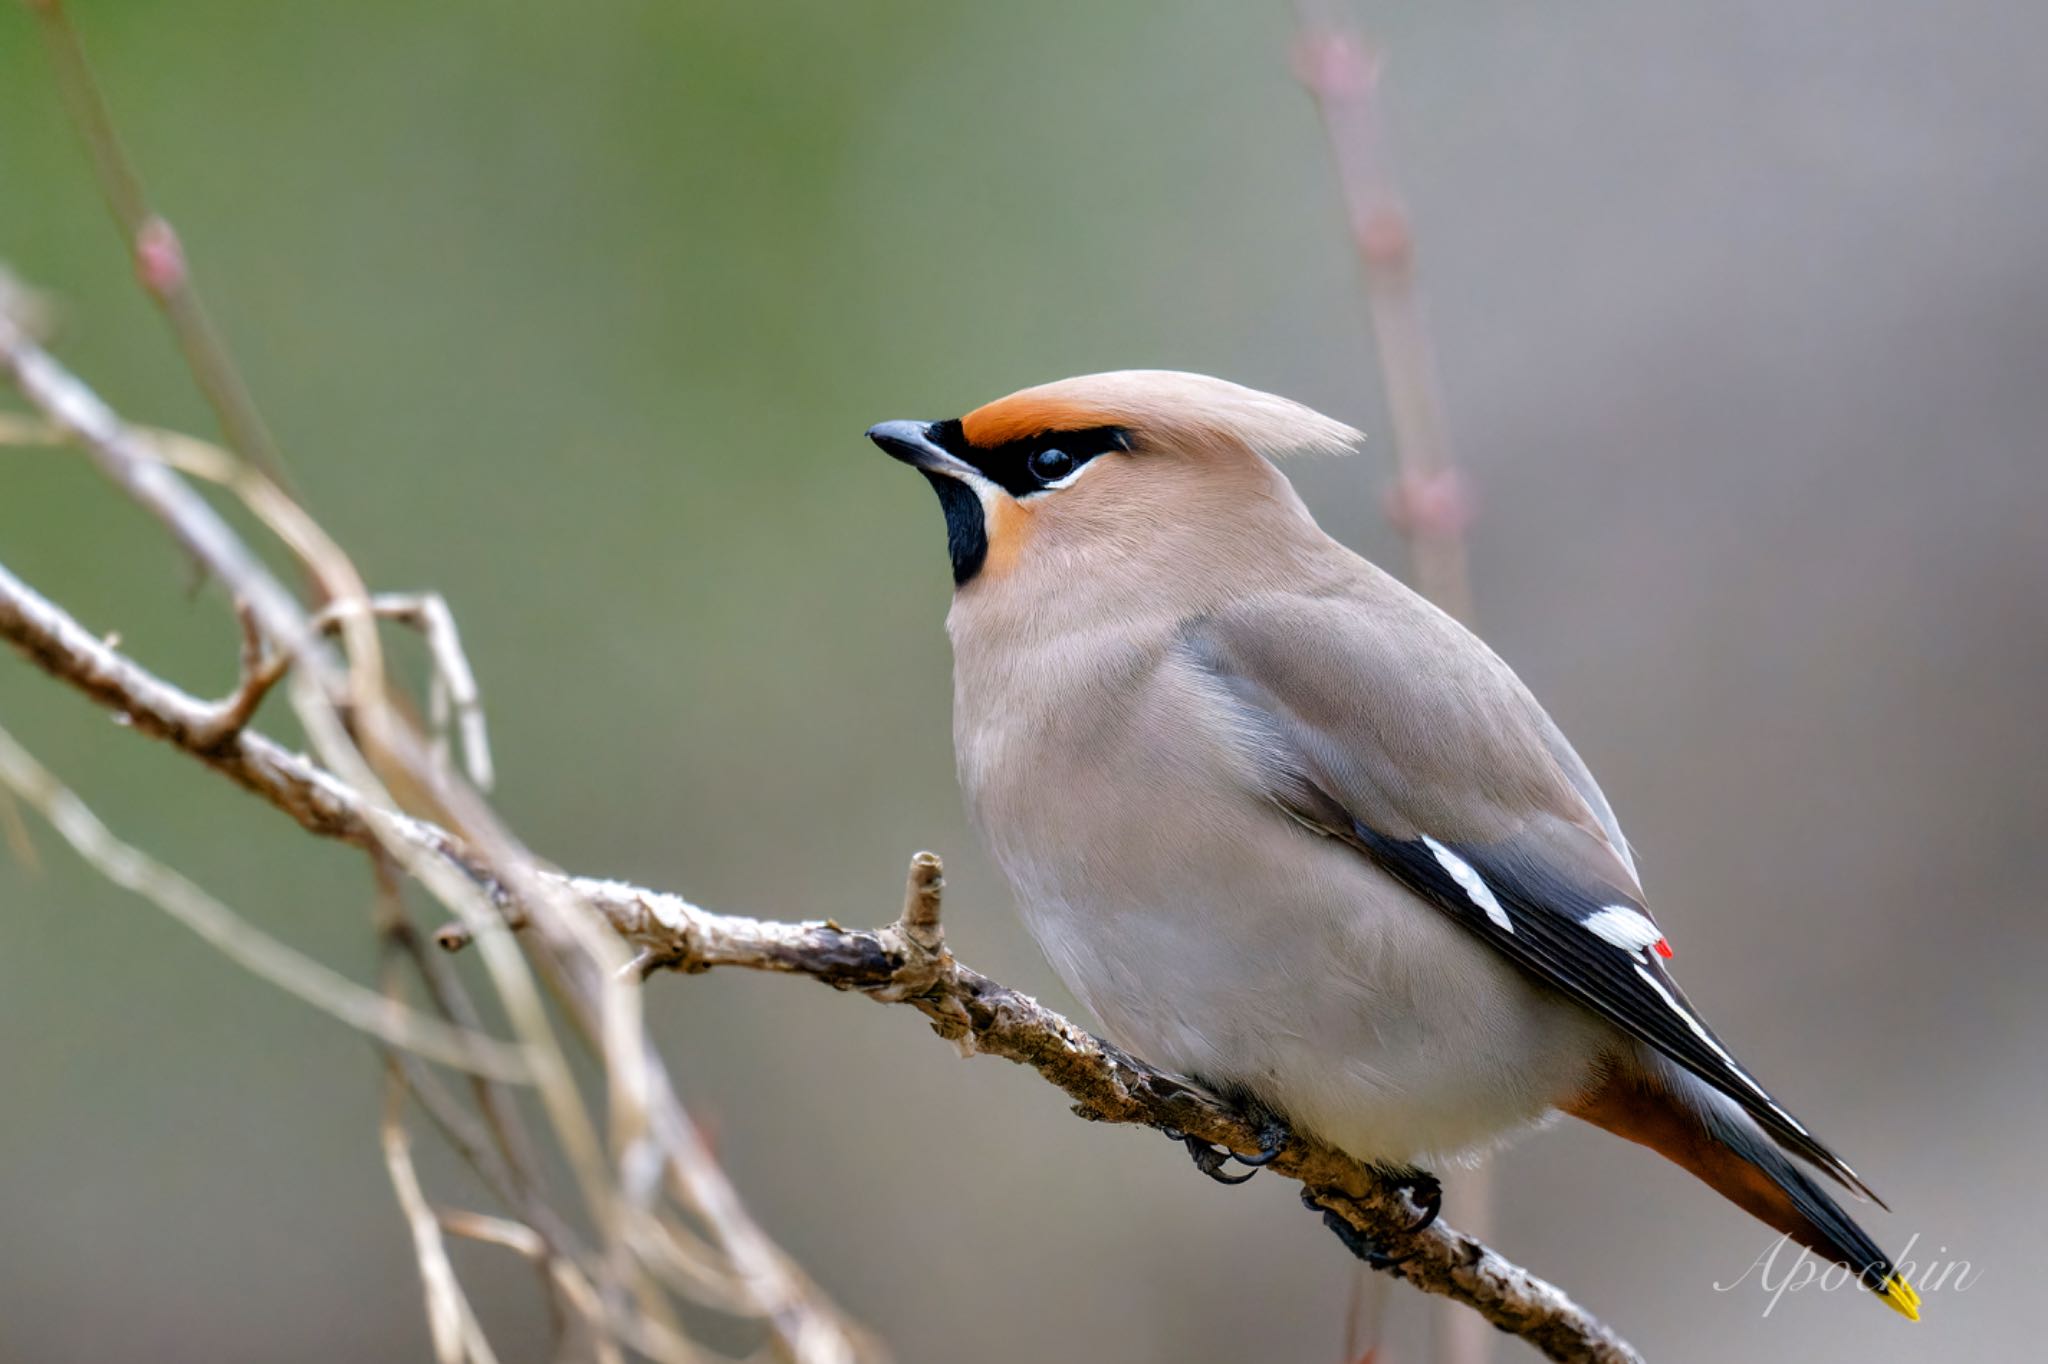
1021,467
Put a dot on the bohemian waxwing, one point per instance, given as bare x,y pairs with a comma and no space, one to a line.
1287,828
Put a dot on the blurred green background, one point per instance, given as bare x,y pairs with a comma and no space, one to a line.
576,313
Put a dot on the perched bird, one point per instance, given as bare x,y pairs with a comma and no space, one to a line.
1287,828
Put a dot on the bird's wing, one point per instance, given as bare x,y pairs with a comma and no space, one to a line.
1383,723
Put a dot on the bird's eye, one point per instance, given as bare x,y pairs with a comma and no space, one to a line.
1050,466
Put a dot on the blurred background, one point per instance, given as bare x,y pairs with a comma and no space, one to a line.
576,313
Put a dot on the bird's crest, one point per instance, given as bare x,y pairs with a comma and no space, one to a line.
1169,405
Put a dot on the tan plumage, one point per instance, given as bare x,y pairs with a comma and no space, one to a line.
1286,827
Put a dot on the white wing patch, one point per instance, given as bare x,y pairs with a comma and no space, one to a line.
1471,882
1624,927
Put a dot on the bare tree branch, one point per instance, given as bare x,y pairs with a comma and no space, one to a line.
375,749
906,962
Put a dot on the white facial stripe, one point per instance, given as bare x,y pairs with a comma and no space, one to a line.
1060,483
1470,882
1622,926
986,489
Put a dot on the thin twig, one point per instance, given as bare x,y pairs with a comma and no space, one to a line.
253,681
495,1145
457,1335
454,697
157,254
241,941
516,1237
499,1113
454,684
1430,503
19,841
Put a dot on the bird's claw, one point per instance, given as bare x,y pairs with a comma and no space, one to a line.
1209,1158
1425,1191
1273,1138
1355,1241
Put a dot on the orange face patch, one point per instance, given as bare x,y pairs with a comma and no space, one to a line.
1030,413
1007,526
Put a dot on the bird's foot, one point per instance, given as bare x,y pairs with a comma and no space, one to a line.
1357,1242
1210,1159
1424,1190
1274,1135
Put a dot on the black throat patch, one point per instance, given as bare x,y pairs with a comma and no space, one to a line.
966,534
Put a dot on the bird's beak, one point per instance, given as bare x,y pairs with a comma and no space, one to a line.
911,442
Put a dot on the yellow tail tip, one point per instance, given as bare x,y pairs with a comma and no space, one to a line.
1901,1297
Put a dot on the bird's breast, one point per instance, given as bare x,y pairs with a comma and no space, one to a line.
1213,934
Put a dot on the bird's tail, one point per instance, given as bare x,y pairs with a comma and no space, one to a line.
1664,1108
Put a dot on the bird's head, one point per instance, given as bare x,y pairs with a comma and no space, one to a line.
1104,463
